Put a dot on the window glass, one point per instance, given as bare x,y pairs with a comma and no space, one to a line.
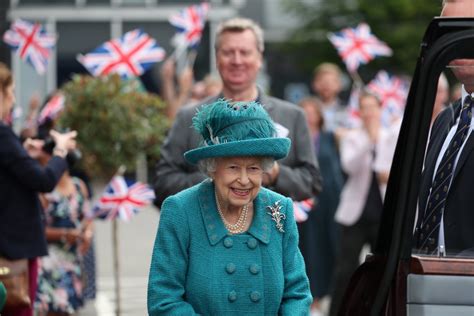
445,218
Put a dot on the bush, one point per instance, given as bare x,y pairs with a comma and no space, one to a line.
115,120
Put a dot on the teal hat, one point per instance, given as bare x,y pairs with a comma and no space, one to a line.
236,130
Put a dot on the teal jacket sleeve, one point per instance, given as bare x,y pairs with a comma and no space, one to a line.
296,295
166,281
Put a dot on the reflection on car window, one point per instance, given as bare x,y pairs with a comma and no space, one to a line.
445,217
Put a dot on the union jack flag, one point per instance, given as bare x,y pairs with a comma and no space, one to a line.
190,23
31,42
302,208
52,109
358,46
123,199
129,56
393,93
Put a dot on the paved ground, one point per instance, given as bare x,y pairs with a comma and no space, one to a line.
136,241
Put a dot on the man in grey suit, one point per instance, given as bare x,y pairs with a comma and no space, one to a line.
239,53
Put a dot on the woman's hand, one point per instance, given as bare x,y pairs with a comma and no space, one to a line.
86,240
64,142
71,236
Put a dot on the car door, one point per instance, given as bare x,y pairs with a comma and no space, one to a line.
397,279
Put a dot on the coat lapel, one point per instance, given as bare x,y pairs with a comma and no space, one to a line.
261,223
213,224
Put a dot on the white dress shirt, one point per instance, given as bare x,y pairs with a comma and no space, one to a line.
452,131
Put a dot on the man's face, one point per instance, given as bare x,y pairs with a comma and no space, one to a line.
238,59
463,69
458,8
327,85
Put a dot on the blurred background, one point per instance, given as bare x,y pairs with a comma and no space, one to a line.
295,43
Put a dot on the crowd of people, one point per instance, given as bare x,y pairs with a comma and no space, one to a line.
227,241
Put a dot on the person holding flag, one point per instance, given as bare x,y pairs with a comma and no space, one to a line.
366,160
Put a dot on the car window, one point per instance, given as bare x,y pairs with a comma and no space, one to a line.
445,219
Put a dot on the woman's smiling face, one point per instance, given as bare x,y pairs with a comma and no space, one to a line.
237,180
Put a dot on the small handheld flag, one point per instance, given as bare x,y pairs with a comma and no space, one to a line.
31,42
190,24
358,46
123,199
302,208
52,108
129,56
393,93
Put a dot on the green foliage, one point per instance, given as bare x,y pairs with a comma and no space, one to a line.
399,23
115,121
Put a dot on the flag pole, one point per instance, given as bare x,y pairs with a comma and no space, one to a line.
116,248
116,267
357,80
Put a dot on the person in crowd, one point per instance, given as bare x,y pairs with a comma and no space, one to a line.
174,96
227,246
366,157
442,97
88,259
212,85
69,234
239,49
30,125
319,233
445,218
22,233
327,85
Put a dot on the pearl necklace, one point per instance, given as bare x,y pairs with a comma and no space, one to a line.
239,226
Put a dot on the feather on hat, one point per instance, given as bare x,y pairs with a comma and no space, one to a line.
236,129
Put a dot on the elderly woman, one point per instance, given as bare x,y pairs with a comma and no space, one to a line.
228,245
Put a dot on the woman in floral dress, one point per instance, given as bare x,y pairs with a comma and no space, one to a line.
69,233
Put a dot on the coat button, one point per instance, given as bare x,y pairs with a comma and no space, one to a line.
254,268
230,268
228,242
232,296
255,296
252,243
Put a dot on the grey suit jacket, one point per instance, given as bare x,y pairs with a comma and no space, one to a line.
299,176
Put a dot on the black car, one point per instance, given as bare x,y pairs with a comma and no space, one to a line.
396,279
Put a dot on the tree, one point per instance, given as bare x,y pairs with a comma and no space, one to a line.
399,23
115,120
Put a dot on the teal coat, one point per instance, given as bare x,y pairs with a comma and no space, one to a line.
199,268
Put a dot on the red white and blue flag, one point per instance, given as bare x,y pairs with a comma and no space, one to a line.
129,56
52,108
123,199
31,42
302,208
393,93
190,23
358,46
